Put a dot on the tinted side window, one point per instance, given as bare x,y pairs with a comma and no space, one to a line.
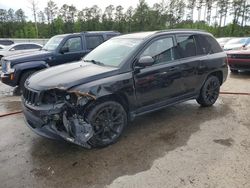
93,41
32,46
6,42
19,47
74,44
186,46
162,50
207,45
215,47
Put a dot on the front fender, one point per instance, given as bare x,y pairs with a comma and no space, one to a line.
35,65
121,85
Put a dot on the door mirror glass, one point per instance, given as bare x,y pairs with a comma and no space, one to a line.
64,50
145,61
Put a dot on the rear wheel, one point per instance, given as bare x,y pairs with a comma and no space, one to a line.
108,120
209,92
23,79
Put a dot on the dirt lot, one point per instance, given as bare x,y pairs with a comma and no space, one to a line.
181,146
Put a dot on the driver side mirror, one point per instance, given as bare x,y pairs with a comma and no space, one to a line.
145,61
64,50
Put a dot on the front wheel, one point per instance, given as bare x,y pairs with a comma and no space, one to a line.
209,92
108,120
23,79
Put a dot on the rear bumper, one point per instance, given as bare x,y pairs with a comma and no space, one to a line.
239,64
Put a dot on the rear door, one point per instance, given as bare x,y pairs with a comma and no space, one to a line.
190,59
92,41
210,56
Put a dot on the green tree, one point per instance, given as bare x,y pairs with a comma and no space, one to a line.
190,7
141,16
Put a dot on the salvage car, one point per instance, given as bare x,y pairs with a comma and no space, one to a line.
89,103
58,50
239,60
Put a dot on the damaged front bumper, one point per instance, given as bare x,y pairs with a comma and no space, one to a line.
53,121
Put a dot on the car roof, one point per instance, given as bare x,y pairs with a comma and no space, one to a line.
144,35
26,43
12,45
90,32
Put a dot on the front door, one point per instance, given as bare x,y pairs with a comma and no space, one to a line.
163,80
75,51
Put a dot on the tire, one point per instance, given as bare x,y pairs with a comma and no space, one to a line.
209,92
24,77
108,120
234,71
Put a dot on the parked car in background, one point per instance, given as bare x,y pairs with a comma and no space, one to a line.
2,46
89,103
239,60
237,44
6,42
58,50
222,41
19,48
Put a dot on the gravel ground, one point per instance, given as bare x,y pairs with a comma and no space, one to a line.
181,146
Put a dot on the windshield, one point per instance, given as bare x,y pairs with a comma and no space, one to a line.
53,43
238,41
113,52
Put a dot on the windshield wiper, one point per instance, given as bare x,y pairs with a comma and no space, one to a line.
94,62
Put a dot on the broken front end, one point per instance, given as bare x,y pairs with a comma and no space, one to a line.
58,114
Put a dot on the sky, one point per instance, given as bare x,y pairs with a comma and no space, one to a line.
79,4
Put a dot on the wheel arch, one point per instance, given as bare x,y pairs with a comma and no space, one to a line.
218,74
24,71
118,97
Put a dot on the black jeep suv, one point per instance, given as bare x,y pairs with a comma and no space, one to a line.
58,50
90,103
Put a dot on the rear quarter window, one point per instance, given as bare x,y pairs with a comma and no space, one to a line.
207,45
93,41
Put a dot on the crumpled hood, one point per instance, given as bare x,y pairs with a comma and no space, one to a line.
68,75
29,56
